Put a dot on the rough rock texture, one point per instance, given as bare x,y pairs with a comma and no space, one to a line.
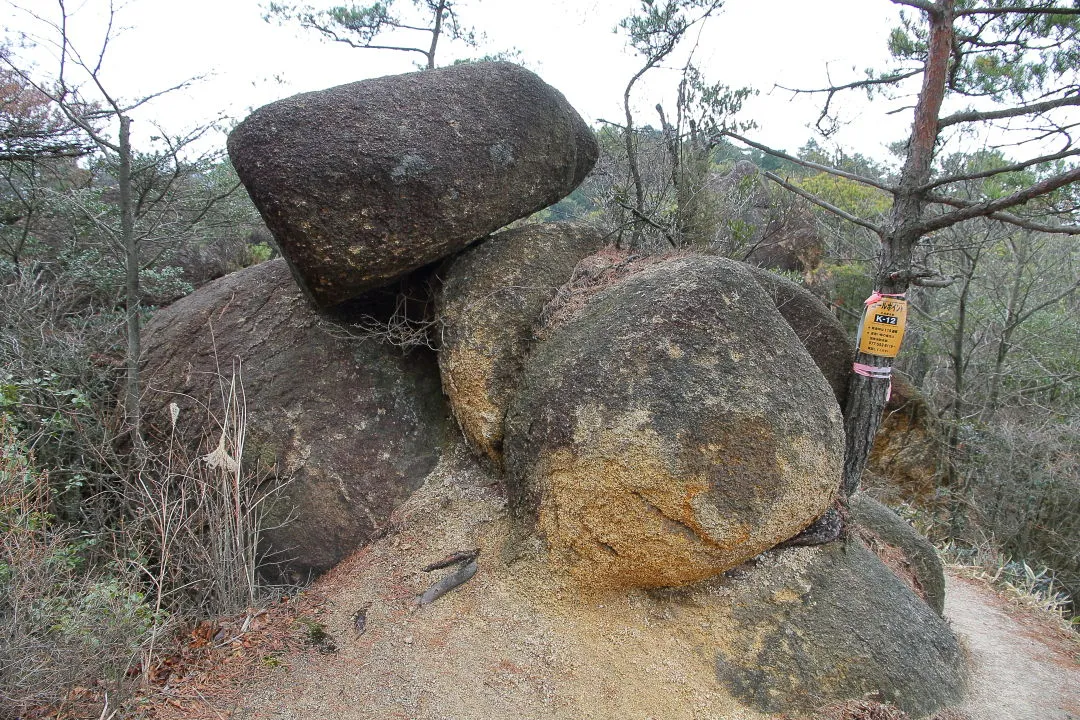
918,561
364,182
490,302
674,428
352,426
821,333
906,462
814,625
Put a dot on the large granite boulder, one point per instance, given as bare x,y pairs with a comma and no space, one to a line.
821,333
352,427
817,625
362,183
490,303
673,428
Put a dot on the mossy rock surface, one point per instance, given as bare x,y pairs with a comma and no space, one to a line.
918,561
352,427
490,303
673,428
812,626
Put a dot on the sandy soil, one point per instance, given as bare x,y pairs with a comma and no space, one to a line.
513,644
1023,667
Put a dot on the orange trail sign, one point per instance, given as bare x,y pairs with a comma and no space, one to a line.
882,328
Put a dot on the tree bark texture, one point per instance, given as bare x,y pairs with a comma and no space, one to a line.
867,396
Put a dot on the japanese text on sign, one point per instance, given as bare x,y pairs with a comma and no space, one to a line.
883,328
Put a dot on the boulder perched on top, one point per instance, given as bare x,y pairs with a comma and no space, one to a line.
491,300
350,427
362,183
811,626
671,429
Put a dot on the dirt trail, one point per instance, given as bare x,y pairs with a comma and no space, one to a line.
1023,668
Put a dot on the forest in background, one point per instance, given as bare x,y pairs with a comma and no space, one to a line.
107,547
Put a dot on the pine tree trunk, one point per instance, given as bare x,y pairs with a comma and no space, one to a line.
867,396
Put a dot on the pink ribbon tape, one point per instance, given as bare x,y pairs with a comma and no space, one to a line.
877,373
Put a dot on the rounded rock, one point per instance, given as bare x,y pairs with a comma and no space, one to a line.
362,183
674,428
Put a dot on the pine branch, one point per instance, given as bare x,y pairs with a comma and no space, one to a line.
1018,111
990,207
811,165
1014,167
823,203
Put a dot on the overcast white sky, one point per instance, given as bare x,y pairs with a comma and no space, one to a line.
570,43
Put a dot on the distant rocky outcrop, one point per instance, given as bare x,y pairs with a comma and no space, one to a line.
365,182
351,427
761,228
673,428
491,301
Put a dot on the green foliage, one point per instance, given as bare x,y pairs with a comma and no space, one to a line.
658,25
853,197
364,22
259,252
1005,56
317,636
62,622
844,285
57,383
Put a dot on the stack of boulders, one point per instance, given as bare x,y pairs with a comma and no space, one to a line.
651,422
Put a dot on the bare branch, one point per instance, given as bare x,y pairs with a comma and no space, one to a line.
989,207
924,5
1018,111
1013,10
1006,217
932,282
833,90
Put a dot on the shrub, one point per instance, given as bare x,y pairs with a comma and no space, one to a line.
63,623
